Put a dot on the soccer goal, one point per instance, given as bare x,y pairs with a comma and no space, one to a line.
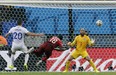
65,18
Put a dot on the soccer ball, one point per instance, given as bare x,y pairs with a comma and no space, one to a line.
99,23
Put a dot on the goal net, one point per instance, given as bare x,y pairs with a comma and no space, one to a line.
65,18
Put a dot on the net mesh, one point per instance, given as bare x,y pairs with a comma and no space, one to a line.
66,19
64,4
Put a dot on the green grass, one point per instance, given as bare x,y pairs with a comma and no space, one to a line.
57,73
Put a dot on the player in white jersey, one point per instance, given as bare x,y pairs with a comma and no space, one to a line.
18,32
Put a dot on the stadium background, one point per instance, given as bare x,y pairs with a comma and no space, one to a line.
53,21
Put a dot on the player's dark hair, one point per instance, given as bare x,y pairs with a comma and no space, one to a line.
60,37
19,22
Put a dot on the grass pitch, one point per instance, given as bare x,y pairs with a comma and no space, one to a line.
57,73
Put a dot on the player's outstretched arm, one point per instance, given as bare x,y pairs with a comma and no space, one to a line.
91,42
34,34
6,36
69,43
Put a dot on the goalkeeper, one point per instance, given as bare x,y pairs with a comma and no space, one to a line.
81,41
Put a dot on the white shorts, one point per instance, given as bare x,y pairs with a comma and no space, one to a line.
19,46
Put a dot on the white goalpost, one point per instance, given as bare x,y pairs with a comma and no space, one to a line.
64,4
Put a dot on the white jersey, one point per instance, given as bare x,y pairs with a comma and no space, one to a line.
18,33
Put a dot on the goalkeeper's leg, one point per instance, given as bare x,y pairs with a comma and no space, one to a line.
91,63
68,63
73,55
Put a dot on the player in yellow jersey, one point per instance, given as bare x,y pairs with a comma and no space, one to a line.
81,42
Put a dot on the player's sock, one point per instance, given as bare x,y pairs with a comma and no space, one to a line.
26,58
67,66
12,59
93,65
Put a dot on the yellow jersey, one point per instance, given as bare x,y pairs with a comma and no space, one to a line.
81,42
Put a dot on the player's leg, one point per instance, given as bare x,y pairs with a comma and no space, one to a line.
67,64
73,55
91,63
47,49
13,50
48,54
26,61
39,53
30,50
24,49
87,57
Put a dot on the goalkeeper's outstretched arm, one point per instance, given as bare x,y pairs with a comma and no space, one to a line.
73,43
91,42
